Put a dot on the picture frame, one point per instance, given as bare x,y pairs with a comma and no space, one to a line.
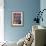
17,18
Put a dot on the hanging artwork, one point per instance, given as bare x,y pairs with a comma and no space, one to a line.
17,18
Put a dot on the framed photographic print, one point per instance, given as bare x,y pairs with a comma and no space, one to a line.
17,18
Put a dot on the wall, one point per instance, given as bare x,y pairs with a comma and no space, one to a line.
30,7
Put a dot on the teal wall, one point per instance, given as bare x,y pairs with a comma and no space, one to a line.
29,7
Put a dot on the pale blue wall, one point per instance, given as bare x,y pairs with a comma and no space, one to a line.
29,7
43,6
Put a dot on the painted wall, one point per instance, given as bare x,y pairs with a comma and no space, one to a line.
30,7
1,20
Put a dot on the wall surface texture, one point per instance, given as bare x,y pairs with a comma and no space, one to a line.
29,7
43,6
